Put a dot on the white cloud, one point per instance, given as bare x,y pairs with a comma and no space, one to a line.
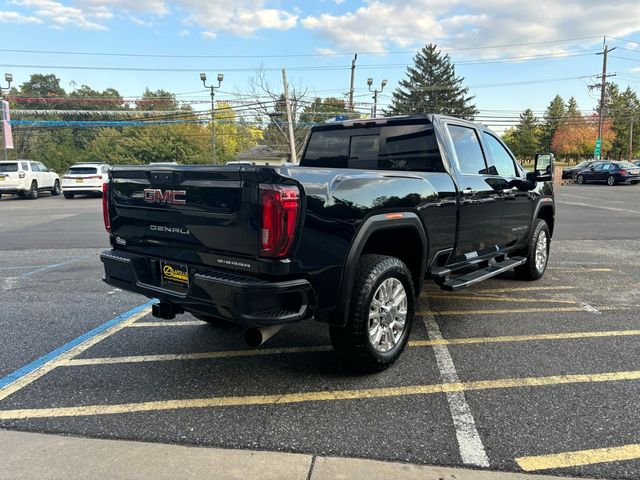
238,17
382,25
632,45
58,15
635,70
15,17
139,21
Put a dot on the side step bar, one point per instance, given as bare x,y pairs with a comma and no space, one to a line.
469,279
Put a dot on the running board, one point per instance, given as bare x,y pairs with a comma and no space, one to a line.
469,279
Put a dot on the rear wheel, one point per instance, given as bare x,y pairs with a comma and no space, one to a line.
33,191
55,191
381,314
611,180
580,179
68,195
537,253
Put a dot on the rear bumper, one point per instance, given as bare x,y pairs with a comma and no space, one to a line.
229,296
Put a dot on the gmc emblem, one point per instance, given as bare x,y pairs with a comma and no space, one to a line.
168,197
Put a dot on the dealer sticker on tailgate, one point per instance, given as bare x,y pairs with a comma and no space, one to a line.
174,273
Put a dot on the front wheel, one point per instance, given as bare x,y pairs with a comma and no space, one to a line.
611,180
537,253
55,191
580,179
381,314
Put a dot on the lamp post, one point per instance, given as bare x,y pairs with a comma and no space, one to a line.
375,94
203,77
8,78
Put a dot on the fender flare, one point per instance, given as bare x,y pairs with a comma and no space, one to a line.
543,202
371,225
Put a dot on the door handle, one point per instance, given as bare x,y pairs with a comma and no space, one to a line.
469,191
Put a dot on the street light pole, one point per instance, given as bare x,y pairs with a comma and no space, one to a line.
8,78
375,94
203,77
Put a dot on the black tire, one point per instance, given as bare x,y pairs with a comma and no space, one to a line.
32,194
352,342
574,175
55,191
611,180
68,195
0,195
580,180
533,270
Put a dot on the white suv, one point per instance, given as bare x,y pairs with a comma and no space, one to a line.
86,178
27,178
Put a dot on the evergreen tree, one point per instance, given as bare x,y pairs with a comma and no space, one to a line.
524,139
553,118
621,109
572,112
431,86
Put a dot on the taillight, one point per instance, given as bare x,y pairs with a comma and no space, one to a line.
624,173
280,210
21,174
105,207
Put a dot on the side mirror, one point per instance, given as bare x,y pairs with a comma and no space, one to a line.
543,167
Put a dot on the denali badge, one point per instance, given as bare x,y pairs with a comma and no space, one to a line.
160,228
169,197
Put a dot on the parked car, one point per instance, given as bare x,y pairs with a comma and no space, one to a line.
27,179
85,178
636,162
572,172
610,172
347,237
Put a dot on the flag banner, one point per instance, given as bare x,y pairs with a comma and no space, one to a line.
6,126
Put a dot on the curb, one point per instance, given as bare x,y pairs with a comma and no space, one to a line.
49,457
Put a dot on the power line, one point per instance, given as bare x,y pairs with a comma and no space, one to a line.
285,55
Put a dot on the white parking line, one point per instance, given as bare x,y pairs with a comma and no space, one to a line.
470,445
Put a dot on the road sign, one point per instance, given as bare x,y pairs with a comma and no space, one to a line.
597,149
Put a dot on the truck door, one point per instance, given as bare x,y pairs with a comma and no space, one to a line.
517,206
480,196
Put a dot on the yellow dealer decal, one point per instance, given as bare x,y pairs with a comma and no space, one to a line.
175,274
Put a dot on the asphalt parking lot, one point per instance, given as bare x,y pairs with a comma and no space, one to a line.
541,377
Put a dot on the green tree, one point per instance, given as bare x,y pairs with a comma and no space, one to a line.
553,118
622,108
572,111
524,139
321,110
432,86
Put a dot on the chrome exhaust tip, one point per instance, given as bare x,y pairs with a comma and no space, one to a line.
256,336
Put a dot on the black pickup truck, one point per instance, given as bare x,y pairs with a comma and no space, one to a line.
347,237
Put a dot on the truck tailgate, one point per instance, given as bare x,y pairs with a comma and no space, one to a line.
187,213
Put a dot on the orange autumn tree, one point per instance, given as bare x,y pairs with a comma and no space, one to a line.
576,137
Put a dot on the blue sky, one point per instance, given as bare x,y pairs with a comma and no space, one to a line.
496,45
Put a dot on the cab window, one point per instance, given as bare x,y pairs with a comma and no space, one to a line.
468,150
503,162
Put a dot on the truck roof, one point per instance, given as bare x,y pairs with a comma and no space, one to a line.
395,120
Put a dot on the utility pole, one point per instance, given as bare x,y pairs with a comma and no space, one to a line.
353,76
383,84
8,78
203,77
603,93
631,140
292,141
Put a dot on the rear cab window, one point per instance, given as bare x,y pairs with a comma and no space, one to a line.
82,171
410,147
468,150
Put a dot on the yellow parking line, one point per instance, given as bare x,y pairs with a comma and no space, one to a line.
186,323
524,338
172,357
169,357
518,310
47,367
326,395
526,289
580,270
578,458
497,298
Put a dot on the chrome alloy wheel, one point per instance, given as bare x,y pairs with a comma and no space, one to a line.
387,315
542,251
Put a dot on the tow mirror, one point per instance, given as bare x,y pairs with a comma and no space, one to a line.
543,168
